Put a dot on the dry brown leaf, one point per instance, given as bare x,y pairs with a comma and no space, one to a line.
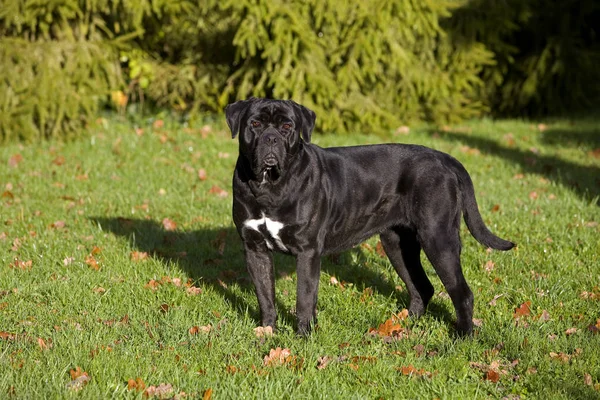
379,250
44,344
571,331
403,130
23,265
152,284
207,394
162,391
218,191
202,174
14,160
193,290
136,384
277,357
544,316
7,336
68,261
139,256
587,380
323,362
169,225
492,376
523,310
262,331
79,379
92,263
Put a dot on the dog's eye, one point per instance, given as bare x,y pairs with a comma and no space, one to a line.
286,126
255,124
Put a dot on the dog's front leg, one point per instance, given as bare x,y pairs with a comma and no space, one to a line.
259,262
308,268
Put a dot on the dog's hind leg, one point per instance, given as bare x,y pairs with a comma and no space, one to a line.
442,247
403,250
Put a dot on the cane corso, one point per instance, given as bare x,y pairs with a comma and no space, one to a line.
297,198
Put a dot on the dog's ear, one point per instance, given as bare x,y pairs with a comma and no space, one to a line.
234,113
308,118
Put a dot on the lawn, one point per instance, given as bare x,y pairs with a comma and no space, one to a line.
122,275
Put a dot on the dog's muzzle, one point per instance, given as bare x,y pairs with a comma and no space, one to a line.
270,152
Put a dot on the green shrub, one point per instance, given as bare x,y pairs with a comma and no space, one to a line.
362,66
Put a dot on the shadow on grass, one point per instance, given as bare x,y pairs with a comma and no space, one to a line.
215,257
584,180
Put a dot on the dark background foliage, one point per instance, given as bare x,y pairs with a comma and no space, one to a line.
361,66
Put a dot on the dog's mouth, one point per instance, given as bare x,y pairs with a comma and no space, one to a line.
270,169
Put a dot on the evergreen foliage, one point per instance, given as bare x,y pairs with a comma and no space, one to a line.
360,65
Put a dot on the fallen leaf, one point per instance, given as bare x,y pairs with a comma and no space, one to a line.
403,130
193,291
58,225
7,336
44,345
207,394
202,174
14,160
533,195
139,256
544,316
323,362
495,299
218,191
571,331
159,123
410,370
22,265
136,384
164,308
92,262
162,391
68,261
523,310
152,284
492,376
169,225
489,266
277,357
79,379
262,331
231,369
379,250
587,380
194,330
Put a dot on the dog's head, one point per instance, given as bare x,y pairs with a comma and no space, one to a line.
271,133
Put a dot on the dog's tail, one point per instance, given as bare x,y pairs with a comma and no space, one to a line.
471,213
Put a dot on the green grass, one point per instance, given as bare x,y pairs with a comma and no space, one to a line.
106,197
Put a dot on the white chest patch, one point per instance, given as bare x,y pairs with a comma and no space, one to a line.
273,228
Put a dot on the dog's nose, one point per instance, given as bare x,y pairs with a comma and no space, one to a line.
270,138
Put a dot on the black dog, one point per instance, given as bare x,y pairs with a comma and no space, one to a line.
297,198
